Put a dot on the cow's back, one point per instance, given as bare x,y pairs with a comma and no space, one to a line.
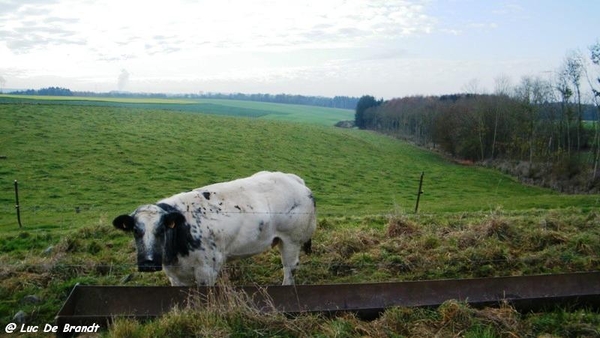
277,203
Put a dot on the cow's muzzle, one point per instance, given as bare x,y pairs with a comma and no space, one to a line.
149,266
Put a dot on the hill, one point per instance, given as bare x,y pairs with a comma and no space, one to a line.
78,166
107,159
227,107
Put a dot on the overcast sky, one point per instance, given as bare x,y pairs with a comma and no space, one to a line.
382,48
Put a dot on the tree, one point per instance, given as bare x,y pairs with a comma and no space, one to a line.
574,69
532,93
565,91
595,57
364,103
501,91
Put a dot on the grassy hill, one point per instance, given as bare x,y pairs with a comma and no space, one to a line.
263,110
80,165
107,159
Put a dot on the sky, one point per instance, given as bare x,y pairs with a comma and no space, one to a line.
387,49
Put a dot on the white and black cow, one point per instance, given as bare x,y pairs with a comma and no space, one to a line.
192,234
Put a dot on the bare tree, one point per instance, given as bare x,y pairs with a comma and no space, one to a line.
473,86
565,92
595,86
532,92
501,91
574,66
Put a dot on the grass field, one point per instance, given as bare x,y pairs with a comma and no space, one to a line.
79,165
268,111
110,159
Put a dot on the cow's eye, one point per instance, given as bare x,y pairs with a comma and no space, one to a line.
137,232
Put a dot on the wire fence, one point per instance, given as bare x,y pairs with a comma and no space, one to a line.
9,216
8,211
33,207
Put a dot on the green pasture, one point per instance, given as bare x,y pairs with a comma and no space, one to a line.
79,165
103,161
263,110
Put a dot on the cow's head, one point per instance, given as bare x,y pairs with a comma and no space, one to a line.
155,229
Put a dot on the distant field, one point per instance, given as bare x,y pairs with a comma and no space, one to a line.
107,160
263,110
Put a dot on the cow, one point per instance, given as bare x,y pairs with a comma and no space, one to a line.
192,234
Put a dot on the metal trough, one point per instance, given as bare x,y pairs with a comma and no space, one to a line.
87,305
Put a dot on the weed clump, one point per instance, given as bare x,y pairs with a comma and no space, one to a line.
499,228
401,226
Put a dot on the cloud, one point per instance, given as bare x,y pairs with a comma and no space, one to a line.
25,39
510,9
186,40
30,25
24,7
162,44
116,28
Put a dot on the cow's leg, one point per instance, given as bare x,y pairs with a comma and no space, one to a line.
289,258
207,274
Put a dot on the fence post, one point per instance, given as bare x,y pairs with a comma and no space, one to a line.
419,192
17,203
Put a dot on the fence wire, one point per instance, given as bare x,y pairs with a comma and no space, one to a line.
8,215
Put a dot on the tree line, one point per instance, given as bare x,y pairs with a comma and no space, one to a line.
549,124
342,102
50,91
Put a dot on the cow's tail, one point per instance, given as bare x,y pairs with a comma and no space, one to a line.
307,247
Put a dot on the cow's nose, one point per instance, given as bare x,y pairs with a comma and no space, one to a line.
149,266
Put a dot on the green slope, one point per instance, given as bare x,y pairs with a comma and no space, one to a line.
264,110
80,166
107,160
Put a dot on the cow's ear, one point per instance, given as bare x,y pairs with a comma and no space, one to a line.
124,222
173,219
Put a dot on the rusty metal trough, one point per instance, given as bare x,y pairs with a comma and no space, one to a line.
87,305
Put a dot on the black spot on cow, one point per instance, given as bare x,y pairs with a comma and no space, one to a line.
179,240
261,224
237,207
206,195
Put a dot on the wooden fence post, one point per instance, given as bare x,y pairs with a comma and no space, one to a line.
419,192
17,203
